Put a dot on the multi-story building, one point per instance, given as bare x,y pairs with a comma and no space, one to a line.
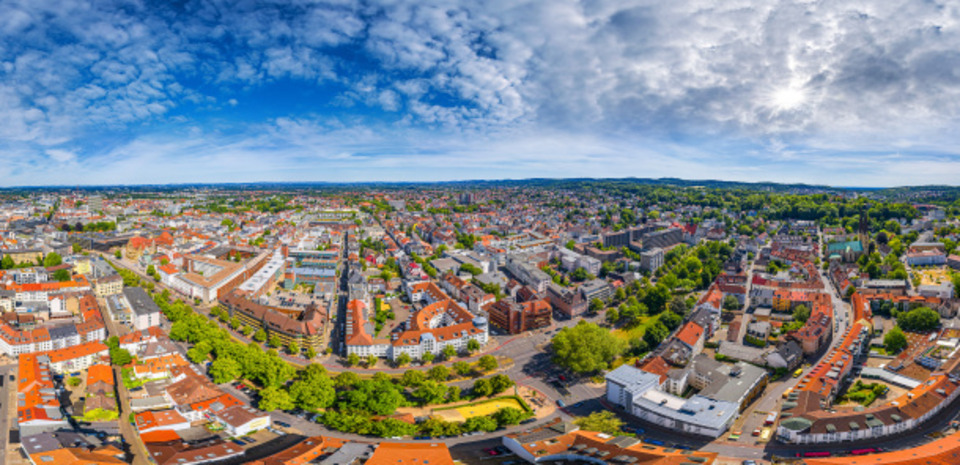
18,339
441,323
304,327
145,312
519,317
568,301
38,407
651,260
528,274
108,285
596,289
641,395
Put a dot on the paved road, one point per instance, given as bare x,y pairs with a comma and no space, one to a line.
136,448
8,399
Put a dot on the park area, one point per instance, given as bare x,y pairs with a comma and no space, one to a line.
479,409
636,331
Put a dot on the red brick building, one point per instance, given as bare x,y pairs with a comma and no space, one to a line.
515,317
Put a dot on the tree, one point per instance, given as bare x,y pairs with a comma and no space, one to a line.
585,348
313,389
508,416
449,352
199,352
225,370
671,320
655,334
657,298
77,248
596,305
151,270
473,345
801,313
74,381
293,348
678,305
403,359
612,315
118,254
920,319
462,368
61,275
482,388
412,378
52,259
7,263
895,341
430,392
602,422
468,268
487,363
260,335
500,383
273,398
371,361
850,291
346,379
428,357
353,359
481,423
630,314
120,357
453,393
247,331
580,274
274,341
731,303
311,353
439,373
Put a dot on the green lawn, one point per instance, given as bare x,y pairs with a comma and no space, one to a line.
99,414
637,330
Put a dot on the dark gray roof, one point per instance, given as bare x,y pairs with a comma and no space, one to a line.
63,332
140,302
40,443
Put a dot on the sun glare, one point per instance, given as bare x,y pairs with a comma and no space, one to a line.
788,98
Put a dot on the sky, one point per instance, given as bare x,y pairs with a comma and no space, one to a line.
844,93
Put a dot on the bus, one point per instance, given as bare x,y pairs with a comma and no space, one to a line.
798,373
787,393
863,451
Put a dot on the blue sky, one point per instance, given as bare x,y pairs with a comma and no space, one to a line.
851,93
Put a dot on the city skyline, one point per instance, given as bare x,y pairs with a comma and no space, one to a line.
840,94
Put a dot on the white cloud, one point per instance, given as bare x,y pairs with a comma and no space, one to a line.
61,156
828,80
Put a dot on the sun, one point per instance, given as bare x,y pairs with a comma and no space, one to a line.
788,98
